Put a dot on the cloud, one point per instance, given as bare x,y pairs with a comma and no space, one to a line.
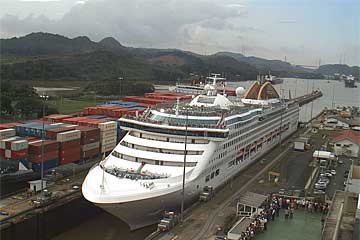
40,0
289,21
81,2
137,22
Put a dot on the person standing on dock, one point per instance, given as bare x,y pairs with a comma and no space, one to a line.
273,211
322,221
286,213
291,210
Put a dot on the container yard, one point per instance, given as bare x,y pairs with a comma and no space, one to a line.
59,139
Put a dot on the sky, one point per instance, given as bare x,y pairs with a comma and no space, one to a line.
306,32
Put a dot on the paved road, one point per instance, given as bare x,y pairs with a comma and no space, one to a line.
337,181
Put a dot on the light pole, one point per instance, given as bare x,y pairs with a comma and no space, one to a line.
44,98
333,97
281,116
0,101
312,102
120,86
183,179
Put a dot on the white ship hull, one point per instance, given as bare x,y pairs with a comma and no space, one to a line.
145,212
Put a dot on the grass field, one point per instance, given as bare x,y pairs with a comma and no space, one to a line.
71,106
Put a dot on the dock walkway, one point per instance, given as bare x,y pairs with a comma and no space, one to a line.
304,225
333,219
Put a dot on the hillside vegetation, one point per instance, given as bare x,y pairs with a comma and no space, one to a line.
46,56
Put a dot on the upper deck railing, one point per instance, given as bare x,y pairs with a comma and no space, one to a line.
172,123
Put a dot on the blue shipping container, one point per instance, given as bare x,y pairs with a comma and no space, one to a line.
47,165
98,116
25,162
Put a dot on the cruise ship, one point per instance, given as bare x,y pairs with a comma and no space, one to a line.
211,139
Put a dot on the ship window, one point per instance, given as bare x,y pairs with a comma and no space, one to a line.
217,172
207,178
212,175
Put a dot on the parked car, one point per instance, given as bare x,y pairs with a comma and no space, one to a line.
320,185
333,172
340,162
324,179
327,174
319,191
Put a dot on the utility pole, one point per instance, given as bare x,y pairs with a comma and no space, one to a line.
183,179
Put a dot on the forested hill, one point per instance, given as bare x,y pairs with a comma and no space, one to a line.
331,69
55,57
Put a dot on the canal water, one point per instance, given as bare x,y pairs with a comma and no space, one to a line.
334,92
101,225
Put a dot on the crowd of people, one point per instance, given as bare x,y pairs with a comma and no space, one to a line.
272,210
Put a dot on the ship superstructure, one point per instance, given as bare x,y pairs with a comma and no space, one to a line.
271,79
143,175
349,81
202,87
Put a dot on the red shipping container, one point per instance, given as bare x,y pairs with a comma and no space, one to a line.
69,144
69,159
32,139
73,120
69,151
37,158
16,155
49,145
57,117
52,133
90,153
89,135
2,153
69,155
9,125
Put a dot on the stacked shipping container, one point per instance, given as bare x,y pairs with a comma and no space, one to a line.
14,148
9,125
43,151
89,142
85,138
108,136
69,146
